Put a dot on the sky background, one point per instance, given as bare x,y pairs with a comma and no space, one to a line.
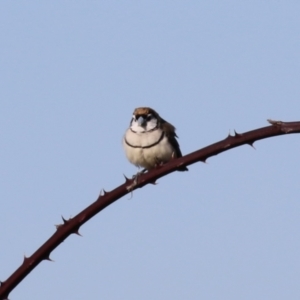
72,73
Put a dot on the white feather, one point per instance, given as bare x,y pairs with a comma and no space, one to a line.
148,157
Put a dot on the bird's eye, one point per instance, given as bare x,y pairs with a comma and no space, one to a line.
149,117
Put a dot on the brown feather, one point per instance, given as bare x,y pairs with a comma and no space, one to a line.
145,111
169,129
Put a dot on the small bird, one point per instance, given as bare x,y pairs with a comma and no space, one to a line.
150,140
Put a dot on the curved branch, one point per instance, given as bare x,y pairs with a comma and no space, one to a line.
72,225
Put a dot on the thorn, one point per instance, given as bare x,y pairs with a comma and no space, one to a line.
127,180
237,135
49,259
60,225
204,160
77,232
251,144
274,122
229,135
153,182
103,192
25,258
64,220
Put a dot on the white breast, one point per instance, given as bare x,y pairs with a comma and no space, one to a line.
147,157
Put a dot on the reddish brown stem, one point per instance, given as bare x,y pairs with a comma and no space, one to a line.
72,225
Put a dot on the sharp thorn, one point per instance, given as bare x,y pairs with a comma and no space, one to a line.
64,220
127,180
49,259
77,232
103,192
274,122
251,144
153,182
237,134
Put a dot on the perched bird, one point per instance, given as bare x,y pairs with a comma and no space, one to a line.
150,140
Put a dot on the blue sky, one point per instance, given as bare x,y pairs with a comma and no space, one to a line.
72,73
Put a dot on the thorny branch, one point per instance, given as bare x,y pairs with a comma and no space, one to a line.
72,225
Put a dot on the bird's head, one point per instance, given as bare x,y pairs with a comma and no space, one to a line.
144,119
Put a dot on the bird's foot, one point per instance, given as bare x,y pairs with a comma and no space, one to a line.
135,180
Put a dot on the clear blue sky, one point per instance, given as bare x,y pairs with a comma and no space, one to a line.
72,73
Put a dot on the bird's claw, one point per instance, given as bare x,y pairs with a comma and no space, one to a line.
135,179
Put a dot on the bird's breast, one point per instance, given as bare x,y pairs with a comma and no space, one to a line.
145,139
147,149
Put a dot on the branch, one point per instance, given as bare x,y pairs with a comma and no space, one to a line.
72,225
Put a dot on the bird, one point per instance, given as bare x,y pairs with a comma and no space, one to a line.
150,141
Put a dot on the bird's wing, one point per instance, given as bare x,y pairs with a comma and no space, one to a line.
169,130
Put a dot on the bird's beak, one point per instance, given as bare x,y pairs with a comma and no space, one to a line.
141,121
